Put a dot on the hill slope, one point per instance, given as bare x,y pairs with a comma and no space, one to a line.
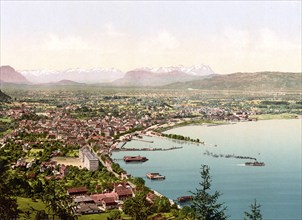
247,81
147,78
10,75
4,97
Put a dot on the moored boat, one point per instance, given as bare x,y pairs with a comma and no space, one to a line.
135,159
255,163
184,198
155,176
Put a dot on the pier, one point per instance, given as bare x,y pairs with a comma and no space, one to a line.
136,139
147,149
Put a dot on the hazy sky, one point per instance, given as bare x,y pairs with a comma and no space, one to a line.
228,36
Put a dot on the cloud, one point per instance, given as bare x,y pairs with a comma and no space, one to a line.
110,30
236,38
258,40
55,43
269,40
161,41
166,40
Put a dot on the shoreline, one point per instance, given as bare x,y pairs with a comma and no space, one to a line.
263,117
194,124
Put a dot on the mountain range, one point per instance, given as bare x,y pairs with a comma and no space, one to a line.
194,77
95,75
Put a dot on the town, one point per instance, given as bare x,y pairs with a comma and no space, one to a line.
58,142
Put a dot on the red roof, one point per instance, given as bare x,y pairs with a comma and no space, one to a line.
109,200
99,197
77,190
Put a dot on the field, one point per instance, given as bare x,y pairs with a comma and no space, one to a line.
102,216
27,204
68,161
273,116
6,120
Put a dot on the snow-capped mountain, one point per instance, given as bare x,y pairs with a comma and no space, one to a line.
195,70
102,75
95,75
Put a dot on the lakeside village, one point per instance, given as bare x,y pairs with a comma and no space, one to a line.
59,144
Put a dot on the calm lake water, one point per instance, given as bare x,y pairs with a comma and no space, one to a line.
276,186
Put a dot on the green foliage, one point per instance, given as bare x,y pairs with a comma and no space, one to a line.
41,214
181,137
114,215
162,204
186,213
138,181
58,201
204,204
137,207
116,168
8,204
255,213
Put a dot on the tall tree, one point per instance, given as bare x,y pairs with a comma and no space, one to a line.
8,204
57,201
137,207
204,204
255,213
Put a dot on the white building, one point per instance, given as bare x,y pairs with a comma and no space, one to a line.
88,159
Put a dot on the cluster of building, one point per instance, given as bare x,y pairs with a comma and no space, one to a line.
86,203
95,203
60,125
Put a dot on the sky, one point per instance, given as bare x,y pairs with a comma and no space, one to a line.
229,36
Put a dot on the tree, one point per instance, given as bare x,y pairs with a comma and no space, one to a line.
8,204
186,213
58,202
136,207
162,204
41,214
139,181
255,212
205,205
114,215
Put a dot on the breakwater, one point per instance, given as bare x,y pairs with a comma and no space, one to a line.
211,154
147,149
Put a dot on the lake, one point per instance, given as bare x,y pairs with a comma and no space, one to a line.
276,186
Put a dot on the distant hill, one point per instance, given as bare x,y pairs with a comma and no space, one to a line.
4,97
140,78
63,82
95,75
246,81
10,75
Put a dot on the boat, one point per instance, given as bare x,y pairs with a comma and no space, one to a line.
255,163
184,198
155,176
128,159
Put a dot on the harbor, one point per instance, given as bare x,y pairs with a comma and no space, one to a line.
182,167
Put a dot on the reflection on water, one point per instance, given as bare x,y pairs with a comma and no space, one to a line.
277,186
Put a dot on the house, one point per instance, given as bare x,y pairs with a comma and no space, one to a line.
106,200
109,203
63,170
21,162
123,190
87,208
83,199
50,164
77,191
88,159
150,197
